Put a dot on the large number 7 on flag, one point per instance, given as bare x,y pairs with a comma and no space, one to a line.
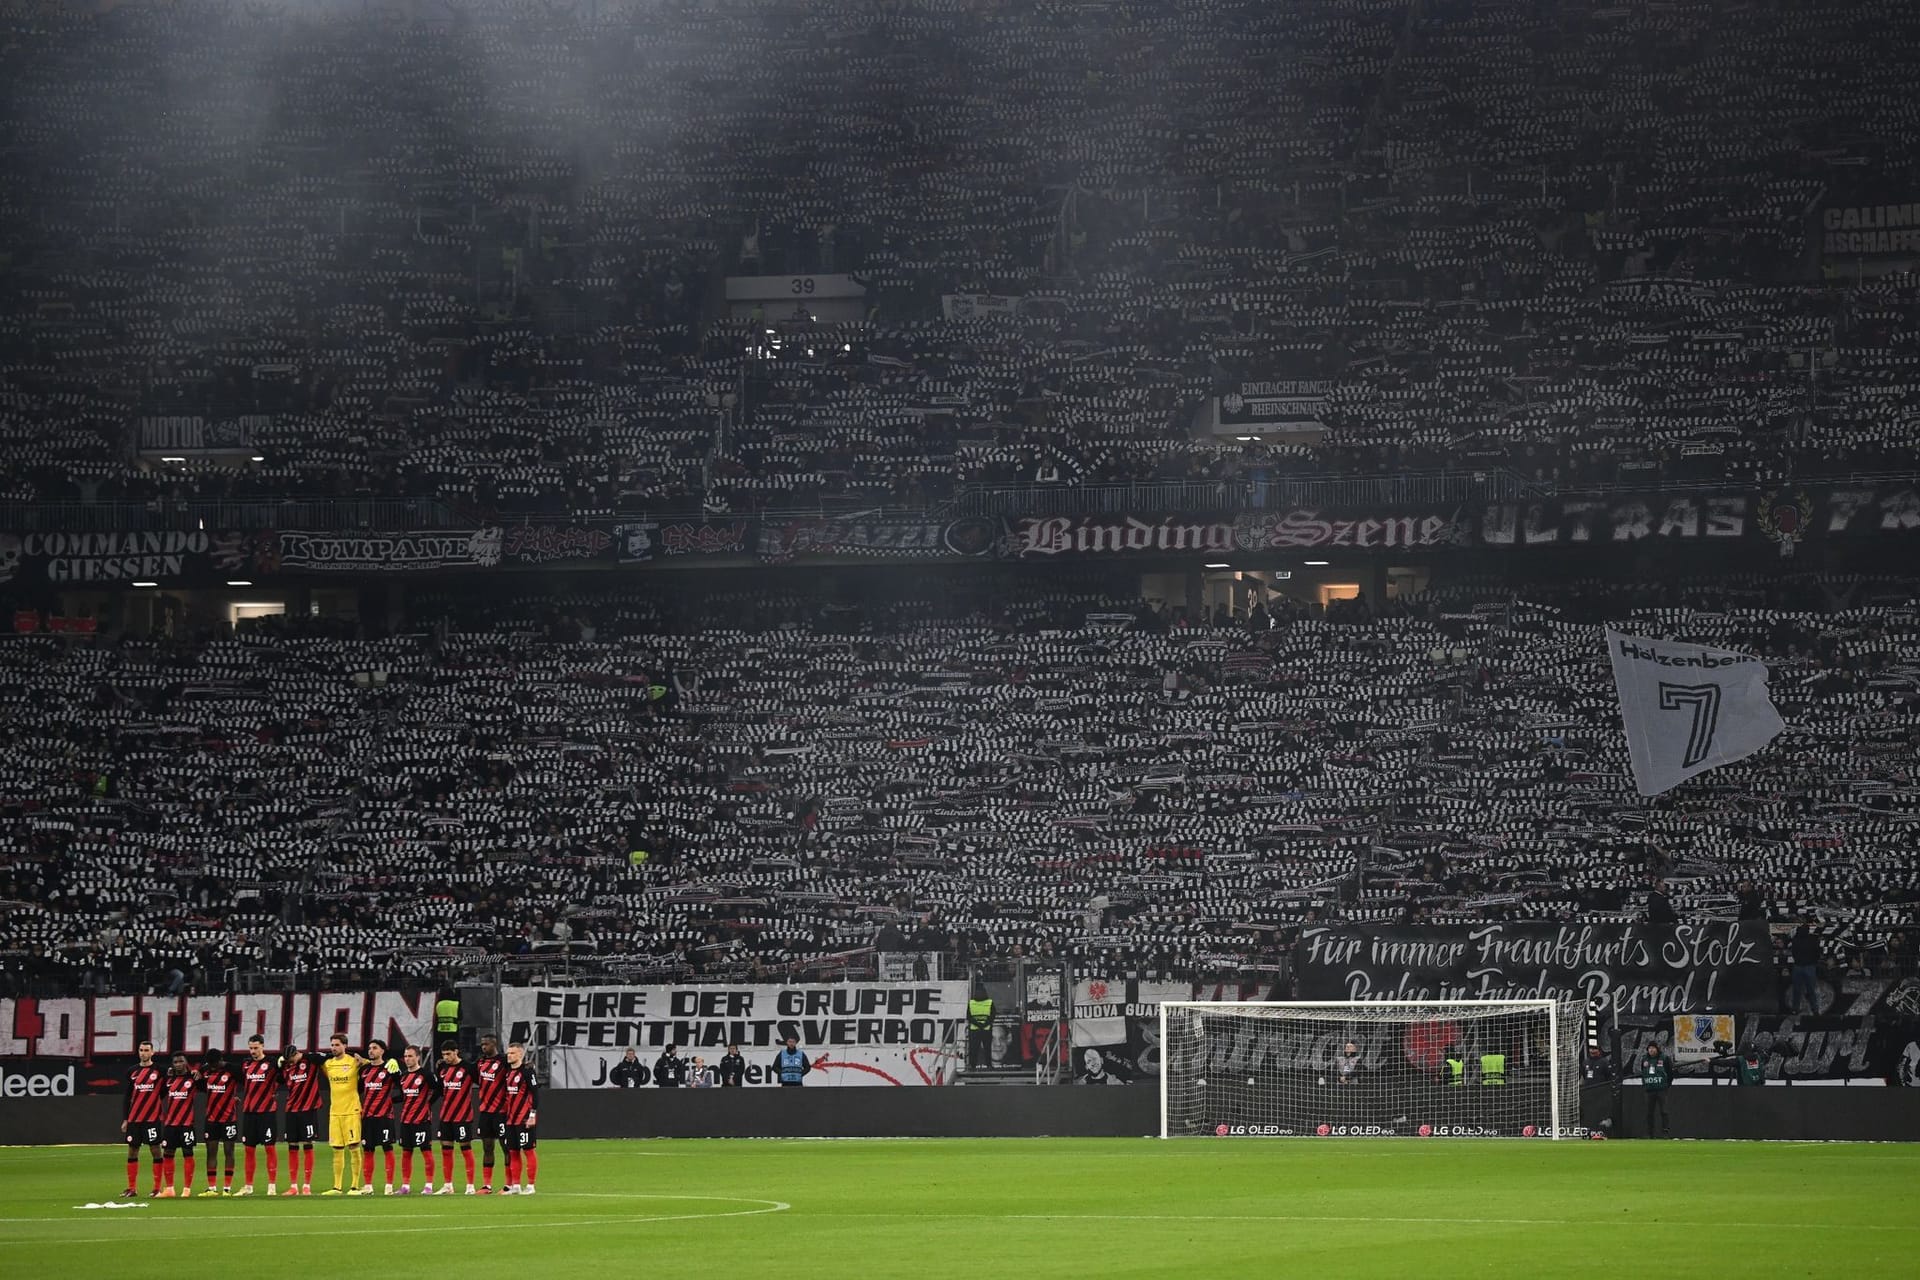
1703,701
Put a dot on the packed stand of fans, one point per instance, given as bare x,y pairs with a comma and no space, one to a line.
474,251
766,785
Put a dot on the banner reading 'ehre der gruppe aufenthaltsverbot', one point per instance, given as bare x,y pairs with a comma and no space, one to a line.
883,1033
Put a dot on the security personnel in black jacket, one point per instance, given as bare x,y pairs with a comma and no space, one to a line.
670,1069
628,1073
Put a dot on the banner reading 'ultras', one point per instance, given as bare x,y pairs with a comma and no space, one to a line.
860,1034
1722,966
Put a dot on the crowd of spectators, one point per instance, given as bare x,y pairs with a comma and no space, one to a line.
737,784
474,251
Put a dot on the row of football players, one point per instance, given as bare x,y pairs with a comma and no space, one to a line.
494,1099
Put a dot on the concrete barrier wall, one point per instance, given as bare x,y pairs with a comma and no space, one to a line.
1825,1113
991,1111
1028,1111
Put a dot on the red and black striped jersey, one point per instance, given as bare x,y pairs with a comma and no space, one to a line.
262,1086
376,1091
304,1084
456,1093
490,1071
180,1091
222,1088
522,1094
146,1089
416,1089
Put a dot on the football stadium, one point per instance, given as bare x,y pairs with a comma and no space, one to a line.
1119,637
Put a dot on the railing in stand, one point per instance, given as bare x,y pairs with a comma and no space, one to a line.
950,1057
170,515
1251,492
1048,1067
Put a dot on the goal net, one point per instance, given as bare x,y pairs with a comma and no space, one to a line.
1474,1068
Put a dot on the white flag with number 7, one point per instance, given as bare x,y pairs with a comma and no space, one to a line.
1688,709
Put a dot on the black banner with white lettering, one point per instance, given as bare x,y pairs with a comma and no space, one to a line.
540,544
1785,515
408,552
1297,528
644,541
1720,966
1868,1028
170,557
874,537
1870,229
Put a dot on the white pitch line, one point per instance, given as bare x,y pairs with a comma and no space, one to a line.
1636,1223
320,1229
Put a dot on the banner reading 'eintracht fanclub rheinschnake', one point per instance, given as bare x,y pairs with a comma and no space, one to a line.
1688,709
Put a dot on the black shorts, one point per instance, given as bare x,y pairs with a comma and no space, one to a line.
417,1137
143,1135
376,1131
223,1131
256,1128
306,1127
493,1125
456,1132
522,1137
177,1137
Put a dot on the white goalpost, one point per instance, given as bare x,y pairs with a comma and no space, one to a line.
1374,1068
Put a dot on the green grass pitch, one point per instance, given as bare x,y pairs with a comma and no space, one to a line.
1039,1207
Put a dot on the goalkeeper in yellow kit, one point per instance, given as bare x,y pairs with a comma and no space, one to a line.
343,1078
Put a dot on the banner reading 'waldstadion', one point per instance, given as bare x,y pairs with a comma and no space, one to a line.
855,1034
1722,966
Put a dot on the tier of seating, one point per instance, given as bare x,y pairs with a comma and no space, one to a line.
1058,770
474,251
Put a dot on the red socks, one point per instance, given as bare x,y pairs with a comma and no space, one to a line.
513,1168
533,1167
306,1178
390,1166
158,1166
366,1167
406,1166
189,1179
133,1173
467,1155
273,1165
446,1165
251,1165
